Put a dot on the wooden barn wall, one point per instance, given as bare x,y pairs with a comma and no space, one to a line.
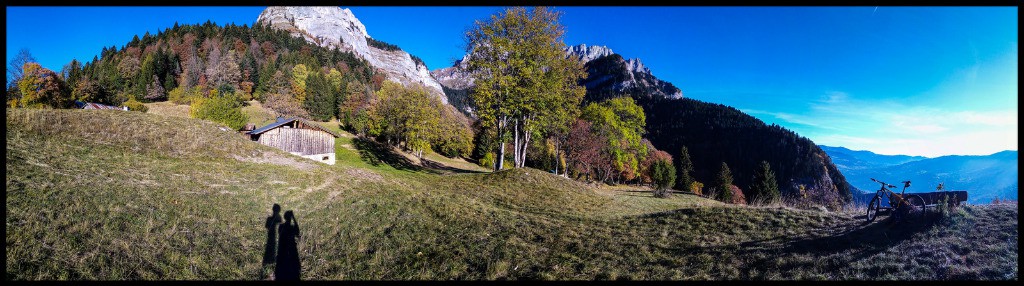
303,141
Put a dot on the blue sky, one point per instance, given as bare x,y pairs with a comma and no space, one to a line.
925,81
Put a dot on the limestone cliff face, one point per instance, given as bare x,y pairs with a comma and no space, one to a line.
339,28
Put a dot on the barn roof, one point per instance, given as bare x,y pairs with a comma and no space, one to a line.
283,121
92,105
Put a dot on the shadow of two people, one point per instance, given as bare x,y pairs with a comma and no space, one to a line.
282,245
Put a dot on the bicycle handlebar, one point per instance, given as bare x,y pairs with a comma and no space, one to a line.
883,183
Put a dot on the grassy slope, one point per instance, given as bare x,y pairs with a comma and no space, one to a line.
116,195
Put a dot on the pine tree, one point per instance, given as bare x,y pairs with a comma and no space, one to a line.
685,178
663,174
723,184
764,186
320,102
72,72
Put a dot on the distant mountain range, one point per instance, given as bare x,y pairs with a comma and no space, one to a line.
983,177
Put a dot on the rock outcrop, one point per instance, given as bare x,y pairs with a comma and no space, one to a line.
608,73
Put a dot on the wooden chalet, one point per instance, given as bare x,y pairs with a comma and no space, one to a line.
299,137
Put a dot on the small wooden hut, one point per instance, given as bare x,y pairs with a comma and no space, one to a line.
299,137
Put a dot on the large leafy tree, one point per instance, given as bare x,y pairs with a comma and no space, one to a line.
155,90
41,87
408,115
226,71
454,137
524,82
337,84
298,82
622,122
91,91
586,152
192,69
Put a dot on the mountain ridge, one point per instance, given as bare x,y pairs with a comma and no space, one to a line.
984,177
608,71
862,159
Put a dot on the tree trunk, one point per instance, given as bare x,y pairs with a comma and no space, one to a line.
500,164
556,158
522,140
526,142
515,144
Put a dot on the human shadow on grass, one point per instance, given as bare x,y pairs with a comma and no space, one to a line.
270,251
288,267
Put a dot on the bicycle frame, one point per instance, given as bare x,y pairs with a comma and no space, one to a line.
901,204
892,196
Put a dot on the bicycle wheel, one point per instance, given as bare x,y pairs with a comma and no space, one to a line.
915,208
873,208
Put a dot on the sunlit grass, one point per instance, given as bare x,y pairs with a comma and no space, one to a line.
107,195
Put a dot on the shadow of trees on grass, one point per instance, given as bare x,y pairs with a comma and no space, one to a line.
376,153
434,165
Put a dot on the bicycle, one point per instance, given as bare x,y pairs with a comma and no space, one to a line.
906,205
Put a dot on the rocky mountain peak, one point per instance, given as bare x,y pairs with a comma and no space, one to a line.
339,28
588,53
635,65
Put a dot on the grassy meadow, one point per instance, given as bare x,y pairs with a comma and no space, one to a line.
113,195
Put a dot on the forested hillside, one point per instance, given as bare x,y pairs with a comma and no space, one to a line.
716,133
189,61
